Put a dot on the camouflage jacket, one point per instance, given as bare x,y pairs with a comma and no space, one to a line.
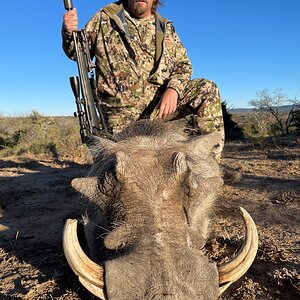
118,71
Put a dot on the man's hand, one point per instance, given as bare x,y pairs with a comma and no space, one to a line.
71,20
168,103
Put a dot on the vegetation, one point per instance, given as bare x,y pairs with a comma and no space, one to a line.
37,135
268,109
232,129
58,138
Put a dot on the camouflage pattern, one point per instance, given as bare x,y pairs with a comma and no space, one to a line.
136,60
200,109
128,68
201,98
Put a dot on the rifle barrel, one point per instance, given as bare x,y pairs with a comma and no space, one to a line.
68,4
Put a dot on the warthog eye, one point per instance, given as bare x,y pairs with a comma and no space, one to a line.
107,184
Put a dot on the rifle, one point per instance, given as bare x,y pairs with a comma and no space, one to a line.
84,87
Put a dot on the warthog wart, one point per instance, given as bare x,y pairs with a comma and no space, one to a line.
153,190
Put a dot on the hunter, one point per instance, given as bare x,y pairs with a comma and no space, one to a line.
143,70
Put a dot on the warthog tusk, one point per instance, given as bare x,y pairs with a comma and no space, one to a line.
239,265
90,274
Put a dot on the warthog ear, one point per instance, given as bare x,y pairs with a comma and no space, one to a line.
179,164
98,144
203,145
86,186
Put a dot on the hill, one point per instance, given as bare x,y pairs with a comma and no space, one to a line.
282,109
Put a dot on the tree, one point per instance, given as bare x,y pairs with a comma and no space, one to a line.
258,124
271,103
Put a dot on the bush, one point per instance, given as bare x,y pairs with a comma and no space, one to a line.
232,130
52,137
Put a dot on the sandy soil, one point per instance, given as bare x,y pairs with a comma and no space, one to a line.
36,199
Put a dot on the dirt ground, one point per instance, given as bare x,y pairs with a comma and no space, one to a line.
36,199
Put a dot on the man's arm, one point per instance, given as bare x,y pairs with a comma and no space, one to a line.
70,24
182,70
180,76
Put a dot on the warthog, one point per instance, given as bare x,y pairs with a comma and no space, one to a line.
154,190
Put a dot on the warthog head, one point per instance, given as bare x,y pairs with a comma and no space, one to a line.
154,190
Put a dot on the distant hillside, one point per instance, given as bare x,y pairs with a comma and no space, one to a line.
283,108
240,110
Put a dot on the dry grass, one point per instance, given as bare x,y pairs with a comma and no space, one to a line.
36,135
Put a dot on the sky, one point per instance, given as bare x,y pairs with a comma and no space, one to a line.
244,46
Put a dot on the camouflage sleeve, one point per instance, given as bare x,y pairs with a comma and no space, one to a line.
67,43
182,69
92,30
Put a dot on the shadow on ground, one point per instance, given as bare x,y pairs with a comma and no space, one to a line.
36,199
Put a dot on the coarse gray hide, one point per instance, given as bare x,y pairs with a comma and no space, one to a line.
152,192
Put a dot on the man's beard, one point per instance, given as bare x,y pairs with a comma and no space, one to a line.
139,10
